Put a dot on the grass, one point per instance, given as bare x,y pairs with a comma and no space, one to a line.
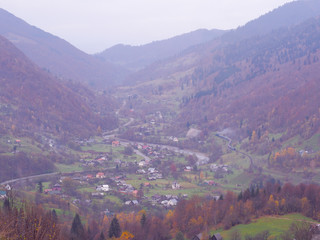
114,199
276,225
68,168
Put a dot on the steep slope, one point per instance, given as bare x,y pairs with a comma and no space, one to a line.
138,57
269,83
32,100
58,56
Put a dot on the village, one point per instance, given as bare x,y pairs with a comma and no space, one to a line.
126,175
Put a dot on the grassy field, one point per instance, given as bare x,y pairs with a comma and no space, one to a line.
68,168
276,225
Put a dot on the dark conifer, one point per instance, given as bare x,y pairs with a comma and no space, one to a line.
77,230
114,230
102,237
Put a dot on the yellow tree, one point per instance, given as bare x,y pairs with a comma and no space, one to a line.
126,236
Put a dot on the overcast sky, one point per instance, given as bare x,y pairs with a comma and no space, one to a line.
94,25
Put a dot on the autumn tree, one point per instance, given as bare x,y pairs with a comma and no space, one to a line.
69,186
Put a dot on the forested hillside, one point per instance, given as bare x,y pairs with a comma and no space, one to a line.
32,100
268,83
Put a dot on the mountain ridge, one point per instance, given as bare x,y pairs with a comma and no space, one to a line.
57,55
138,57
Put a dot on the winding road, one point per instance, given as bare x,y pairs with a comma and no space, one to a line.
234,149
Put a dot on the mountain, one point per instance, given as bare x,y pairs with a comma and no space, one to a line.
32,100
270,83
138,57
284,16
289,14
266,82
58,56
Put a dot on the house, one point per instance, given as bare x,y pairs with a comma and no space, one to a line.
46,191
210,182
89,176
152,170
115,143
141,171
142,164
187,169
216,236
3,194
103,188
135,202
132,203
197,237
135,193
57,187
97,194
100,175
156,197
175,185
172,202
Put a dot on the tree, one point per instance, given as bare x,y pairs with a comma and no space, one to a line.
301,231
40,187
6,205
179,236
128,150
69,185
114,230
77,230
126,236
102,237
54,216
143,220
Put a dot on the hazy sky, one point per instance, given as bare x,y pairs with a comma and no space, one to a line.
94,25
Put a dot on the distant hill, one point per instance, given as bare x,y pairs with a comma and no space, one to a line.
32,100
138,57
58,56
284,16
289,14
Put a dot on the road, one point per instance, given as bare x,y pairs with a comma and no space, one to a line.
234,149
199,155
52,174
29,178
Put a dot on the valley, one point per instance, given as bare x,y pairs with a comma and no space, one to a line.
209,132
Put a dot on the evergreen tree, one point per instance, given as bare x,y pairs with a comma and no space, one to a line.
102,237
179,236
40,187
114,230
54,216
143,220
6,205
77,230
